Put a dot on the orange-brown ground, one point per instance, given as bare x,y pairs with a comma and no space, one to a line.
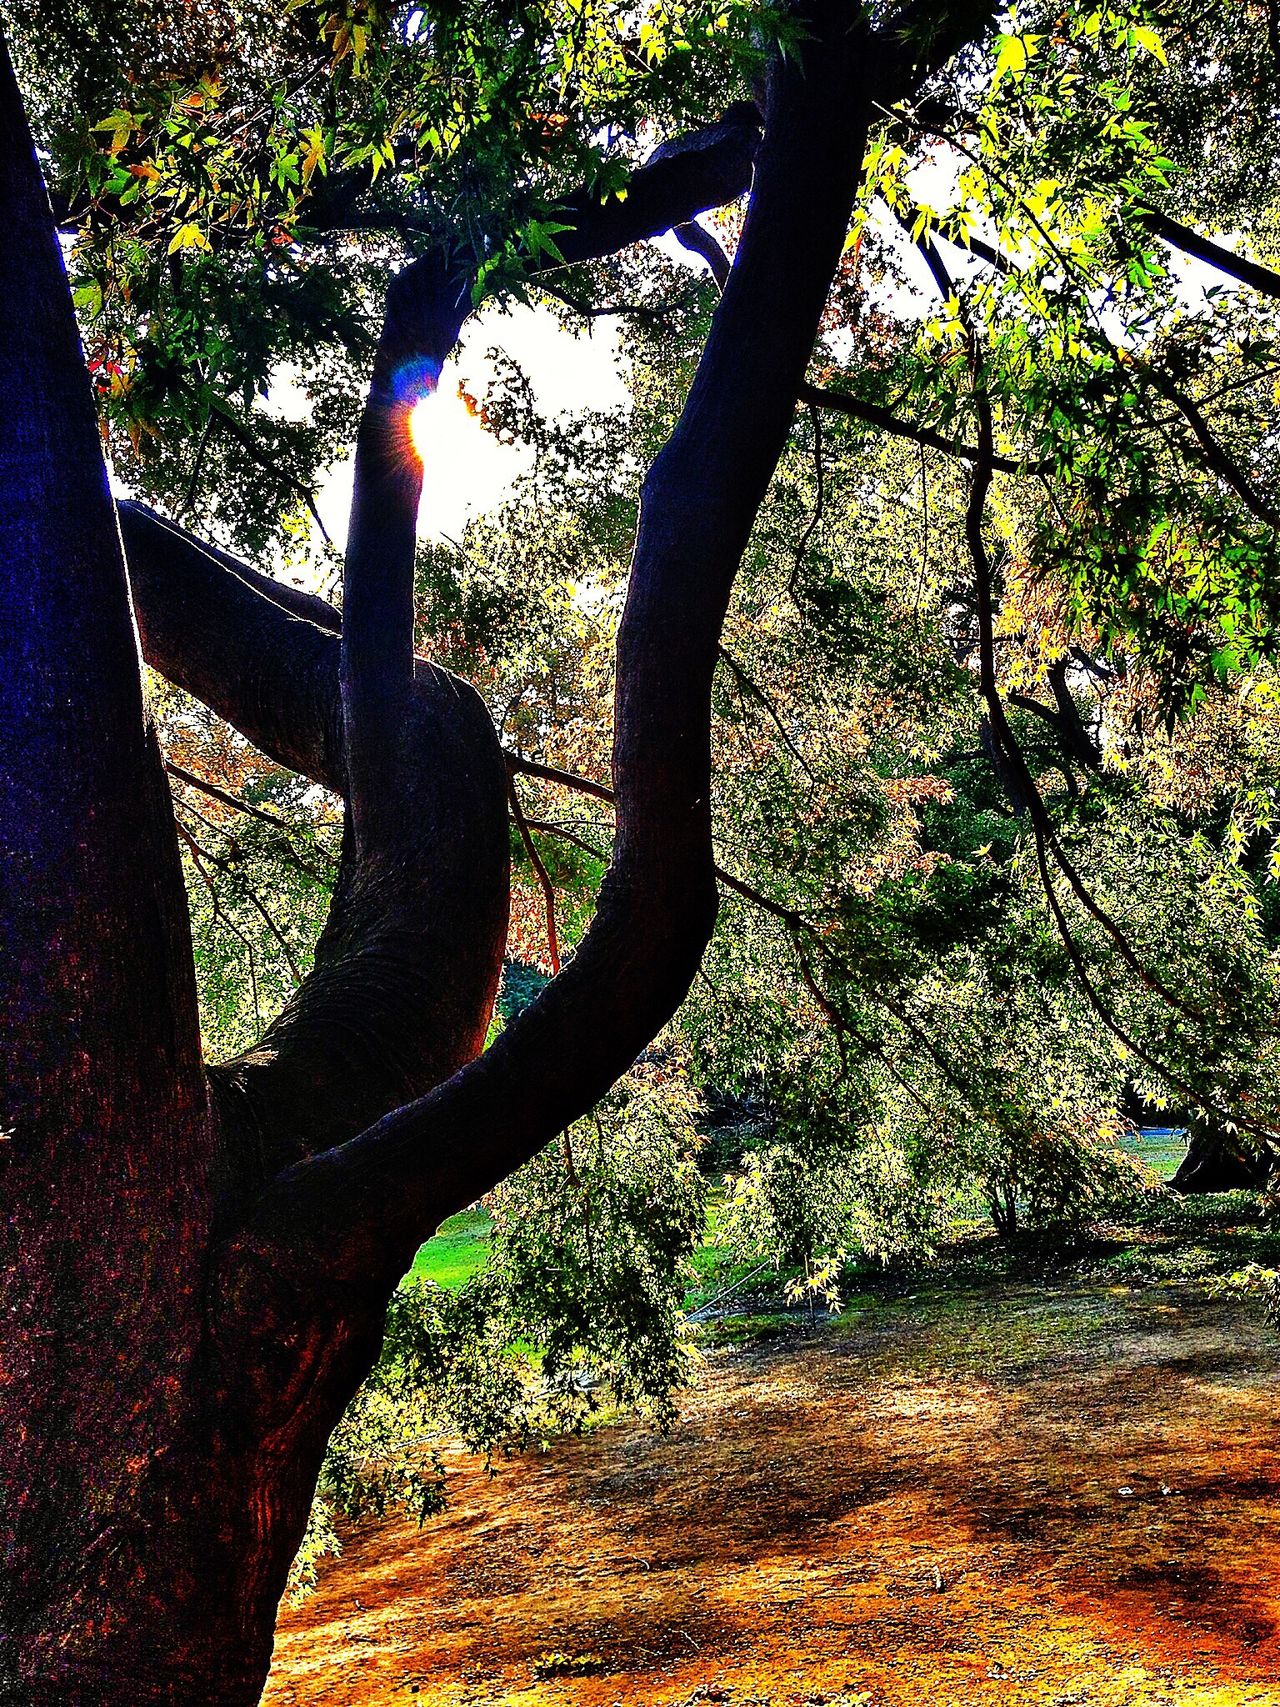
1022,1496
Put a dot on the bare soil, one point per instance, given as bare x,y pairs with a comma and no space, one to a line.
1015,1495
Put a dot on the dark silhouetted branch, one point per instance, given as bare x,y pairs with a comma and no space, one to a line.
1191,242
540,871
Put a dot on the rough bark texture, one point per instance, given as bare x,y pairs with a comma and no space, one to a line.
197,1264
107,1139
406,967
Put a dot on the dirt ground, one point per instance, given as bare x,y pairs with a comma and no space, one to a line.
1016,1496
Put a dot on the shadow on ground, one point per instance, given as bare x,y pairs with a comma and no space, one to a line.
1061,1495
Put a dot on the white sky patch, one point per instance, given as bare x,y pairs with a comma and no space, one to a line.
466,471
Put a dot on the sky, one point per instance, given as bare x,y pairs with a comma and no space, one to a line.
466,471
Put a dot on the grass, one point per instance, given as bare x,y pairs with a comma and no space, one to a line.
747,1330
1161,1148
460,1246
457,1250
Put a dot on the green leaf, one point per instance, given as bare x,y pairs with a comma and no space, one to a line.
1013,57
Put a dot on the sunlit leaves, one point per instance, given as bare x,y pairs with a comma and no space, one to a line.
1084,326
1012,54
242,174
188,236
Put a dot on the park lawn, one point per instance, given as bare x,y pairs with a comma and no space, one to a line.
459,1248
456,1251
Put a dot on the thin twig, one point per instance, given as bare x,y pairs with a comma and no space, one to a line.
701,242
1046,840
567,779
802,544
224,796
758,692
535,859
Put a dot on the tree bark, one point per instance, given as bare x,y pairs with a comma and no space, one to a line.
407,963
1214,1162
108,1141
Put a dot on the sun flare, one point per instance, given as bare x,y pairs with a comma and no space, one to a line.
420,434
465,470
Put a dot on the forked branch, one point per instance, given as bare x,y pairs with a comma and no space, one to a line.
366,1204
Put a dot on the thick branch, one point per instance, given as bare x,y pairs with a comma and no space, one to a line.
1063,717
406,966
366,1203
549,773
426,305
704,169
219,630
1191,242
681,179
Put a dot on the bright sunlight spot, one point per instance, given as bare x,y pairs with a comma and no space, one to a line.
466,471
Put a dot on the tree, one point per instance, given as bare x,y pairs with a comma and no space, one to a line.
197,1262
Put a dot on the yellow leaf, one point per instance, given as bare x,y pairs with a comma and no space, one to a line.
188,236
315,152
1011,61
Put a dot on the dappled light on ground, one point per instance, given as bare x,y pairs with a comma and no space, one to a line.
1065,1497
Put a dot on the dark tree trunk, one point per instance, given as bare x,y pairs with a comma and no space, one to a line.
196,1264
1216,1162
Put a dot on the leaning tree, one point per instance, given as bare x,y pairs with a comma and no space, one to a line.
197,1259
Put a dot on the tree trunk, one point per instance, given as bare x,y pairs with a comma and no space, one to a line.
1216,1162
162,1415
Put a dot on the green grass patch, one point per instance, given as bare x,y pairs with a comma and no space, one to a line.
746,1330
456,1251
1158,1149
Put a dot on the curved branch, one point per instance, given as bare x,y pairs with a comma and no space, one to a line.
426,305
400,899
703,169
365,1205
406,968
220,631
1216,455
